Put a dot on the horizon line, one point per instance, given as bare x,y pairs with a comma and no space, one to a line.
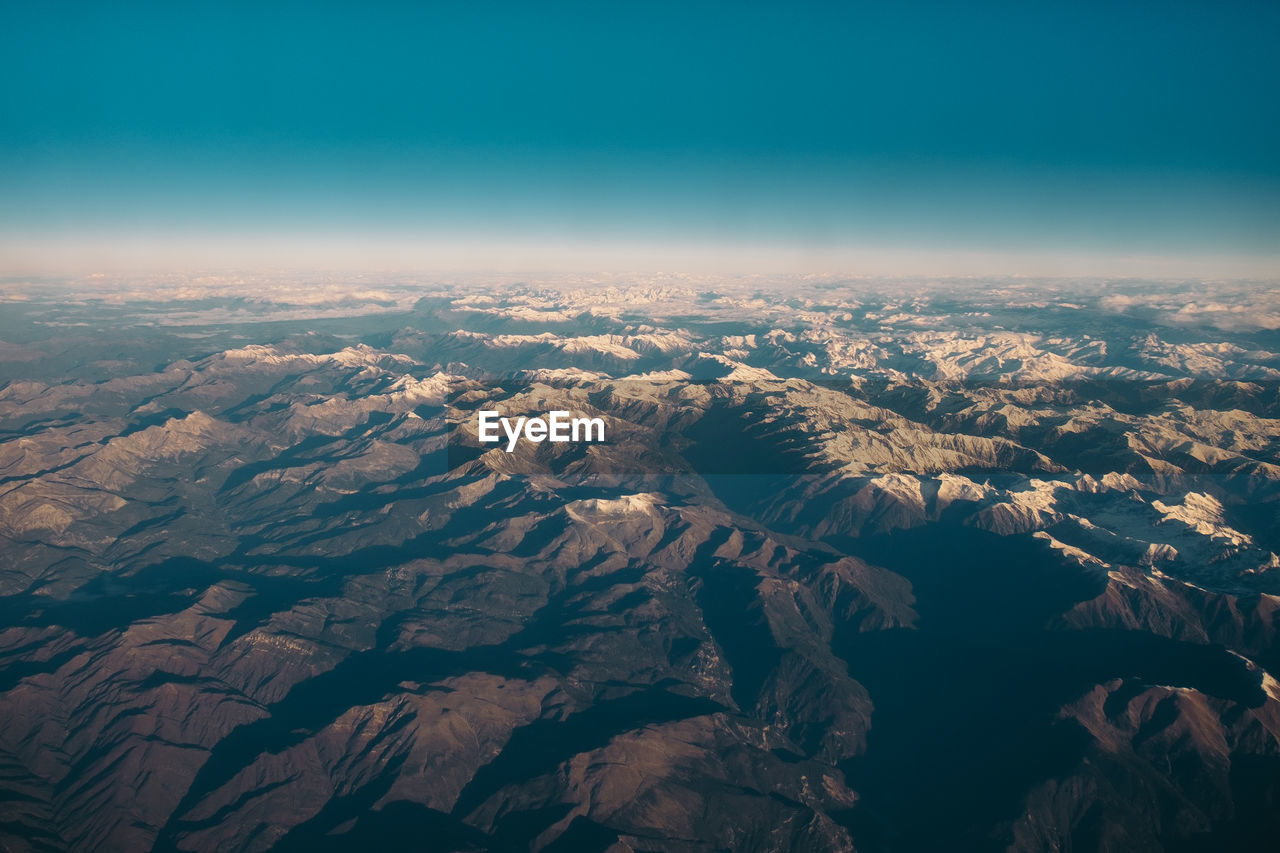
163,255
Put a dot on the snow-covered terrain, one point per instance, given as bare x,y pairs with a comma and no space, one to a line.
262,585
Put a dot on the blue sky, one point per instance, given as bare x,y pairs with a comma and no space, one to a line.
1047,133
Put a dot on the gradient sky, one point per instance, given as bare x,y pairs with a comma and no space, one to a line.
1041,136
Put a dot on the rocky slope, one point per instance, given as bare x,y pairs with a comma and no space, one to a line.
853,569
